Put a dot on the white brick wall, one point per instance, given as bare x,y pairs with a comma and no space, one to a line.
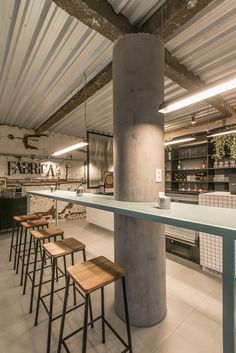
13,149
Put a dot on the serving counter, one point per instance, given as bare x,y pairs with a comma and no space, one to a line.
205,219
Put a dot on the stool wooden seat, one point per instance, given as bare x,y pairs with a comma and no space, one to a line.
63,247
27,217
95,273
16,226
90,276
58,249
46,233
34,223
39,236
25,226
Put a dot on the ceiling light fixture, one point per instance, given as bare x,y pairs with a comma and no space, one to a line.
197,97
84,142
193,120
186,139
70,148
222,133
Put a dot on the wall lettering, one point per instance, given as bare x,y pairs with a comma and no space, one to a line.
43,169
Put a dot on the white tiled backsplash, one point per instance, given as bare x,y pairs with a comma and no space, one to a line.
210,245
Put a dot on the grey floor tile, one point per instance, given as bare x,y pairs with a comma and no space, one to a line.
191,324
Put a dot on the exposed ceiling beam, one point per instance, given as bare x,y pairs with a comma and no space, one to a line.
185,78
100,16
200,127
172,15
94,85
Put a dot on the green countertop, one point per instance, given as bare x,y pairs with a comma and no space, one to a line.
213,220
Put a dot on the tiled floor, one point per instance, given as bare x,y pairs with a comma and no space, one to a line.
192,324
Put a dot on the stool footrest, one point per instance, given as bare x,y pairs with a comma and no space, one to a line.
90,324
80,329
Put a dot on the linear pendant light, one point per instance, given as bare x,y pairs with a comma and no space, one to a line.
223,133
195,98
187,139
70,148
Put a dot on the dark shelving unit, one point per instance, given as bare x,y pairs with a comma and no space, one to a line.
189,161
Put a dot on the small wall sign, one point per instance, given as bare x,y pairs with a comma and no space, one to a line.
44,169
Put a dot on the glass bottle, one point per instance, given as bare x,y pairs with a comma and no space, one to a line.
179,166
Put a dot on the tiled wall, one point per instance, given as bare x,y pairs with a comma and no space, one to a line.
210,245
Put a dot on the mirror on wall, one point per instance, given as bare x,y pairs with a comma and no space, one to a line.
99,159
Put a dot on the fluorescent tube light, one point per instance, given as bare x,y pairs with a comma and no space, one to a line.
195,98
187,139
223,133
70,148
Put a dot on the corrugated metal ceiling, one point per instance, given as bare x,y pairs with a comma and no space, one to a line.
44,54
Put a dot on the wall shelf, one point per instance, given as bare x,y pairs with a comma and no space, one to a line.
190,158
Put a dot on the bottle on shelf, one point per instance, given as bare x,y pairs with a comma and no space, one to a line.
179,166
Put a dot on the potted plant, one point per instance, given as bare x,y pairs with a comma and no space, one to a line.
231,144
219,148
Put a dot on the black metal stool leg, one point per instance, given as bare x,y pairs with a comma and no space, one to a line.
19,250
103,315
84,255
64,263
90,304
34,275
27,265
12,238
74,290
50,314
85,330
127,315
23,258
39,289
63,314
56,272
16,245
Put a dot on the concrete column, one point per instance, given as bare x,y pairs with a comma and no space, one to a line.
138,89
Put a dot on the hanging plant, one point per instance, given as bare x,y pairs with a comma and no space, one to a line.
231,144
219,147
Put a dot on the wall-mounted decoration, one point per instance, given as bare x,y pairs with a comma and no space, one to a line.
99,157
44,169
108,179
3,182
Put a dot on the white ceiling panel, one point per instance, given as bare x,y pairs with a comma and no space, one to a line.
45,55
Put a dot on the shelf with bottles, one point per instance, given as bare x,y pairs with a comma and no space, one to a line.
188,170
186,177
190,164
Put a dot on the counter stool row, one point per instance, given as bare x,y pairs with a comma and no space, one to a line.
32,237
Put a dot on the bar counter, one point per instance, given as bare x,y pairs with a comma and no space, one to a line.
212,220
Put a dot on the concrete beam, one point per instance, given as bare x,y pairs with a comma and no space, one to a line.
200,127
185,78
94,85
98,15
172,15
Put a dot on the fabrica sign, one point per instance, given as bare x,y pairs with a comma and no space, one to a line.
43,169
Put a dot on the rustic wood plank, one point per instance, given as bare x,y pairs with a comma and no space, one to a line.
95,273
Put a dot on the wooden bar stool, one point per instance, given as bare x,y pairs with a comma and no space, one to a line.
38,236
16,230
26,226
90,276
56,250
